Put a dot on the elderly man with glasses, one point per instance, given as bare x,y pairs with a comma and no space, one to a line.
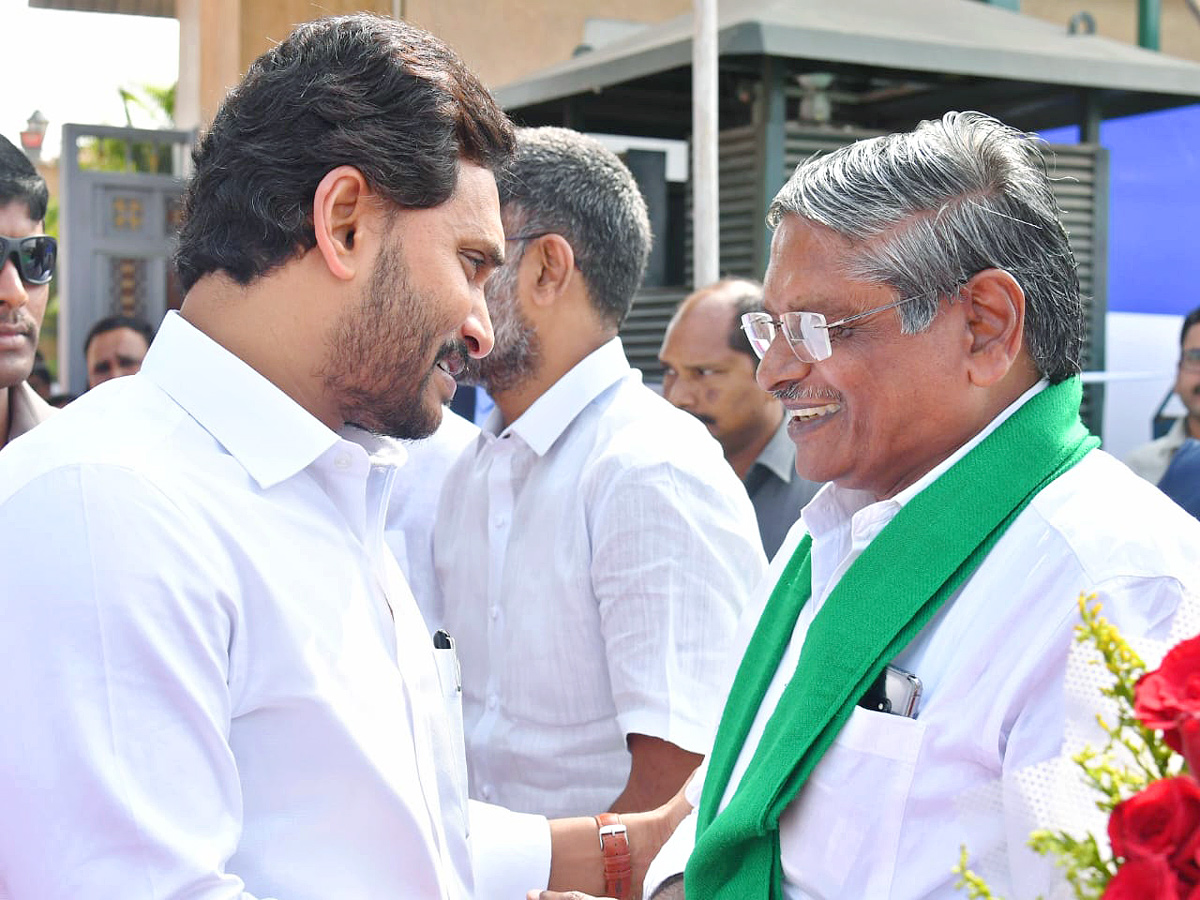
901,692
26,267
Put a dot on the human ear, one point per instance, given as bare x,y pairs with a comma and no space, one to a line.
995,318
555,262
339,205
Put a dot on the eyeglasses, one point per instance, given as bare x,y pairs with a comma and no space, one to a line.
807,332
1190,360
34,256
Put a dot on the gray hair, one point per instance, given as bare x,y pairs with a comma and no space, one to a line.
570,184
928,209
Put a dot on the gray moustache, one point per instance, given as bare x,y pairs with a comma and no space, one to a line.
795,392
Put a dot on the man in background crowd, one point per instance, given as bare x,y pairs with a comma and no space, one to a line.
709,372
26,267
1151,460
592,548
116,346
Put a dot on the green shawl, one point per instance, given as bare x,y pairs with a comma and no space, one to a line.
875,610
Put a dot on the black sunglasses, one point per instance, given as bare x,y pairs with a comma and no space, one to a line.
34,256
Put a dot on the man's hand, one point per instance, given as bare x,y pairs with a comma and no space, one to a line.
576,859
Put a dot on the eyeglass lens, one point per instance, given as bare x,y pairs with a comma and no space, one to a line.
34,256
1190,359
806,332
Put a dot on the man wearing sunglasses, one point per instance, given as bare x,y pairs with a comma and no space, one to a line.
1151,460
27,259
903,688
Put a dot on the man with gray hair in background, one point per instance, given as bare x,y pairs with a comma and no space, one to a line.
903,688
593,549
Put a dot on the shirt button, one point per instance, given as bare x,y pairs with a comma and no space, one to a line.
342,461
494,611
498,522
486,790
492,701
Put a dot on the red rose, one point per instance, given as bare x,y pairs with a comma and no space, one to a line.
1170,695
1142,879
1162,821
1189,736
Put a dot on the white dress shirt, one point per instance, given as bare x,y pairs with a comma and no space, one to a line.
885,811
216,683
413,508
592,559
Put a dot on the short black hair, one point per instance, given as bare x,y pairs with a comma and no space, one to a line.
20,181
1192,318
112,323
362,90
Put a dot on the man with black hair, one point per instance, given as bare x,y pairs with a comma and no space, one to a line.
216,682
1151,460
116,346
26,267
708,371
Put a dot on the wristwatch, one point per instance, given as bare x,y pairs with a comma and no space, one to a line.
614,843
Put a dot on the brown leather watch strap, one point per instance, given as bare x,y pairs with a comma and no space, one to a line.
618,869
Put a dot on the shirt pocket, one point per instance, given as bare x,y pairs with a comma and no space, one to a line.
841,836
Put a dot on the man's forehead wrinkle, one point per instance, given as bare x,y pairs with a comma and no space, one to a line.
812,293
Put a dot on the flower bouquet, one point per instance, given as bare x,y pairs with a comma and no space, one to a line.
1143,779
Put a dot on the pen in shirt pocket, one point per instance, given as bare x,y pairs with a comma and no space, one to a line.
443,641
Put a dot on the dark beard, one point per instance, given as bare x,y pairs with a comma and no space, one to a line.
517,354
381,357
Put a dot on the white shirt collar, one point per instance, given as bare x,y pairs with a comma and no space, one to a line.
542,424
264,429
